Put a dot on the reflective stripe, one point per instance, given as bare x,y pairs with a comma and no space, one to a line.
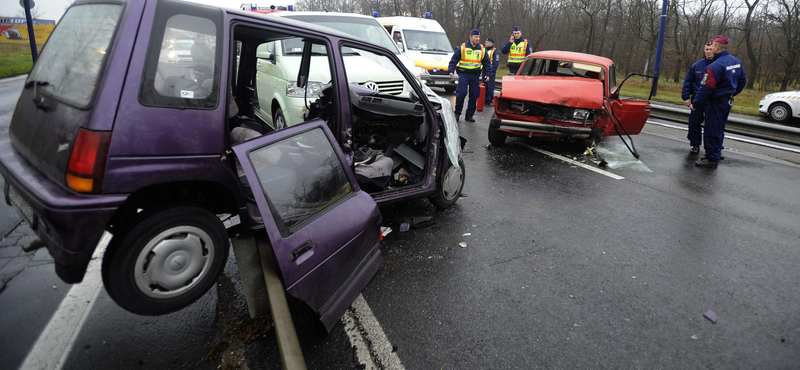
491,55
470,58
517,53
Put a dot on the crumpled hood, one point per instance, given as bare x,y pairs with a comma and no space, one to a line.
573,92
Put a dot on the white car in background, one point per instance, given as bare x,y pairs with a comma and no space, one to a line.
279,103
781,106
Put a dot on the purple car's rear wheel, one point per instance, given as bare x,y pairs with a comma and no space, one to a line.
166,260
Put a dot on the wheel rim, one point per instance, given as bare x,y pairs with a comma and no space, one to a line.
279,122
173,262
779,112
453,179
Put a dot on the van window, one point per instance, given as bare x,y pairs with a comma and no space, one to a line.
183,61
427,41
365,28
75,53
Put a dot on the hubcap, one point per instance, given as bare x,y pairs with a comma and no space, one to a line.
453,179
173,262
779,112
279,123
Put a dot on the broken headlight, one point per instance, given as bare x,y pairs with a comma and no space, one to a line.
580,114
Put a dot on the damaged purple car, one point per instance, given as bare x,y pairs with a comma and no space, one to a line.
143,126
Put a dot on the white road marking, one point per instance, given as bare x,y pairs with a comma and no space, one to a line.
570,161
734,137
55,343
365,333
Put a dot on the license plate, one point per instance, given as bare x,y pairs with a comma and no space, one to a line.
20,204
441,82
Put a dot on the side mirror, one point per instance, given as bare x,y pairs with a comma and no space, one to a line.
266,55
615,93
400,46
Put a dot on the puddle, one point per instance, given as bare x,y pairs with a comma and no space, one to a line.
618,157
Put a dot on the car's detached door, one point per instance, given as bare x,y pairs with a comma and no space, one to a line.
323,228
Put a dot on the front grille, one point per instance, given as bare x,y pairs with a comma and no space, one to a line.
389,87
549,111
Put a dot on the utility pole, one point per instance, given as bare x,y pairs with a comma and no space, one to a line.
657,69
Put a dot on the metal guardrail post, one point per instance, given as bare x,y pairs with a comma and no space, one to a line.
288,344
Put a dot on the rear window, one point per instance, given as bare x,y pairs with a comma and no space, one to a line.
76,52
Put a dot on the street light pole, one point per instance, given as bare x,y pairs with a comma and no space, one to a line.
27,6
657,70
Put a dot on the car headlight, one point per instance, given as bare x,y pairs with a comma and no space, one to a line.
314,90
580,114
422,71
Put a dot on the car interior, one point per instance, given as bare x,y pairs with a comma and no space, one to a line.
390,132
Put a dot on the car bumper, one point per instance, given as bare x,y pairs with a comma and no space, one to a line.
440,80
763,106
70,225
539,129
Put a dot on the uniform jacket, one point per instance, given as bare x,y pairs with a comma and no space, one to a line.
507,46
691,83
486,65
724,77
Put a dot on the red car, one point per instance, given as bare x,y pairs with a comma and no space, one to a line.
565,95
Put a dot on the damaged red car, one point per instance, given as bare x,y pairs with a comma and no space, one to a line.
565,95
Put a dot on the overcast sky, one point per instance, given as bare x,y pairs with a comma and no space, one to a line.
54,9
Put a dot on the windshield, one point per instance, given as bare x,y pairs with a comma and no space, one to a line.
365,28
556,67
427,41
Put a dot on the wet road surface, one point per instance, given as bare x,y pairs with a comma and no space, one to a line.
563,268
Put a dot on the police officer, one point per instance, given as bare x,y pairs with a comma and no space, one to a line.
517,49
469,60
494,58
691,83
724,79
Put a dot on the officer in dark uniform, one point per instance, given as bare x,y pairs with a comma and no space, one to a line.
724,79
494,58
469,60
517,49
691,83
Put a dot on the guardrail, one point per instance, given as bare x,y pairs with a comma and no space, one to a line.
739,125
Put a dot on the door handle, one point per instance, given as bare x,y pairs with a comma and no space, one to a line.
305,247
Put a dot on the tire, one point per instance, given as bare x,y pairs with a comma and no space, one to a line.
449,190
450,89
780,112
497,137
189,244
278,120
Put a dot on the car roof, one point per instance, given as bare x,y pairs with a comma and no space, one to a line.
320,14
573,56
287,21
412,23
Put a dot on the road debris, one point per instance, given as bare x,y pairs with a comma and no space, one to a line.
463,244
711,316
694,336
467,234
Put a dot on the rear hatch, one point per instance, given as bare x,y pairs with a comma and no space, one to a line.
59,92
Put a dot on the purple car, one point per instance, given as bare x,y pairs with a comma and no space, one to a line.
115,131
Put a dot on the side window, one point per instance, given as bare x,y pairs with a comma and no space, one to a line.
300,176
183,59
398,37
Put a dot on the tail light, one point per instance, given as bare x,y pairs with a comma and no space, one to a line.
87,161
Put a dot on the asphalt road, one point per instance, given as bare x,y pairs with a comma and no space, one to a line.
563,268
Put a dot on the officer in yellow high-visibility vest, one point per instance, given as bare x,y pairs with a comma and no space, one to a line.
470,60
517,49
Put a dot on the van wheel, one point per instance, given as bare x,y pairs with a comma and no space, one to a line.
497,137
450,189
279,120
166,260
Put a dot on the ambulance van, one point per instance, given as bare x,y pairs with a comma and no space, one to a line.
425,42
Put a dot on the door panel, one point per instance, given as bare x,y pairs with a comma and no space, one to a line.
323,229
632,114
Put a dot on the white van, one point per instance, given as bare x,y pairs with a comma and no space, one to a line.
425,42
280,104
